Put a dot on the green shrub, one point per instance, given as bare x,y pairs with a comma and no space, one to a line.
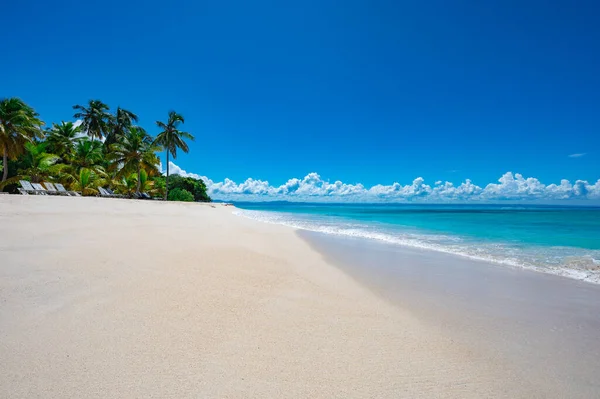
180,194
194,186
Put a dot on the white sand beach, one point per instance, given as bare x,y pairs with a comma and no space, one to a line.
109,298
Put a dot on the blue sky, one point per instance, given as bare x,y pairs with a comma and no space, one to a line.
370,92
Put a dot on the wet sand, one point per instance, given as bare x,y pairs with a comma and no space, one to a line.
544,326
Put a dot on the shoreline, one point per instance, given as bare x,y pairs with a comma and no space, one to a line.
109,298
543,325
587,275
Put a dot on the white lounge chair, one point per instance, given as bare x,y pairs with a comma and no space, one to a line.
62,189
111,192
27,187
52,190
104,193
39,188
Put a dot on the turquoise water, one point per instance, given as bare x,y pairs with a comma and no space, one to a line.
554,239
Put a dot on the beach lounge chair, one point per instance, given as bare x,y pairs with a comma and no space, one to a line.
104,193
52,190
27,187
62,189
111,192
40,189
142,196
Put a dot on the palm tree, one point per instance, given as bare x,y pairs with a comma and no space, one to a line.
145,185
19,124
86,181
61,139
134,153
171,138
95,118
87,154
37,165
135,183
120,123
40,165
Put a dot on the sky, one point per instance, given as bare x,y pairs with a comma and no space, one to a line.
365,93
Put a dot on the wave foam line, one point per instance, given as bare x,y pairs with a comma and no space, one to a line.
592,276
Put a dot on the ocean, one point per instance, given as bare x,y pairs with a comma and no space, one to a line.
552,239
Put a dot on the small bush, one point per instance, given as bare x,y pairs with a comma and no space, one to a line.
180,194
194,186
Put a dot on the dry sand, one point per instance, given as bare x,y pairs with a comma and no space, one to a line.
108,298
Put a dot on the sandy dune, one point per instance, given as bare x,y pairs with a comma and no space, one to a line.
106,298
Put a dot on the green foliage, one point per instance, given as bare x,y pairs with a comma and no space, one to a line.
194,186
87,154
96,118
61,139
19,124
40,165
171,138
134,153
87,181
118,126
127,161
134,184
180,194
159,185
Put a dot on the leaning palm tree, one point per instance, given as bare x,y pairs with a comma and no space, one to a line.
95,118
134,153
171,138
19,124
61,139
119,124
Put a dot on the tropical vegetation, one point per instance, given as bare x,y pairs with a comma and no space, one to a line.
171,138
195,187
180,194
19,125
99,149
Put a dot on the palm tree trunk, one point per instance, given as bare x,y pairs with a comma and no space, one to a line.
167,180
5,165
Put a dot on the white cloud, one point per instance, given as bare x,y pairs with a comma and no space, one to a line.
313,187
415,190
176,170
514,187
578,155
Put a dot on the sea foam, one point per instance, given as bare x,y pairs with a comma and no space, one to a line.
563,261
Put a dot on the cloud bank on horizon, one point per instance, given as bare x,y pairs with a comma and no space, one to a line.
313,188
